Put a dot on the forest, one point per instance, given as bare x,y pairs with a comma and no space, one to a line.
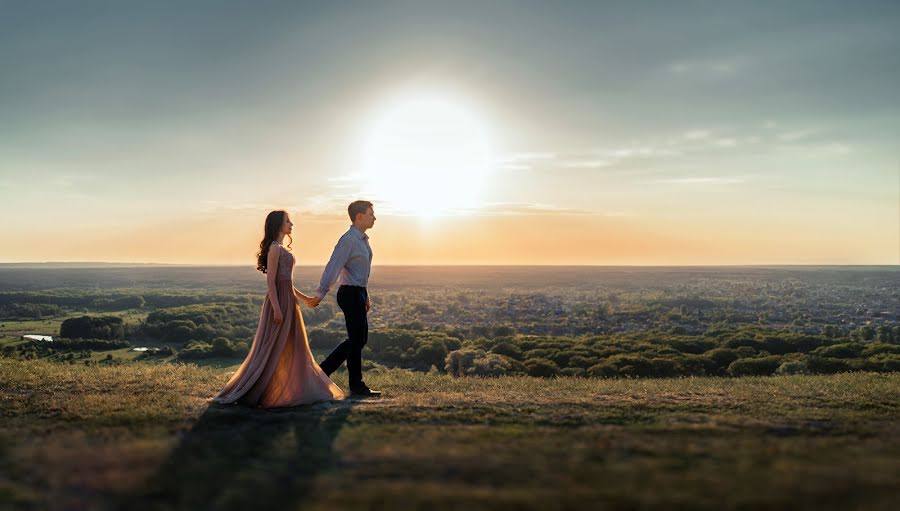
549,322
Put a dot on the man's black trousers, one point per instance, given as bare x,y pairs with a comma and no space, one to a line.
351,300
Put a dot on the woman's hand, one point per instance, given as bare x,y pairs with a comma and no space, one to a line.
302,297
279,317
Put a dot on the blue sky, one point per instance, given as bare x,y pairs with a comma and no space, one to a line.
689,122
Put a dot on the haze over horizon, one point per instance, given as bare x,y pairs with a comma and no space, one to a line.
501,133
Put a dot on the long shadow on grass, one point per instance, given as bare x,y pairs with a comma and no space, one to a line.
240,458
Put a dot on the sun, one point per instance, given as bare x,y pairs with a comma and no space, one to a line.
427,154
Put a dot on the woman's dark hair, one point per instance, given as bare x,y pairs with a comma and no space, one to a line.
274,221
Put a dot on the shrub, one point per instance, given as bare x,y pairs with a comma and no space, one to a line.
885,362
508,349
460,362
663,367
581,362
541,367
222,347
698,365
745,342
695,346
603,370
471,362
430,353
846,350
631,365
745,352
561,358
792,367
722,356
801,343
762,366
878,347
195,350
491,364
538,353
241,348
825,365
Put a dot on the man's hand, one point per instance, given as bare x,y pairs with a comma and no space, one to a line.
368,303
314,302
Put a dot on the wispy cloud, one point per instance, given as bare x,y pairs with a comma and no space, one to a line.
704,140
588,164
519,209
829,149
798,134
610,157
72,180
523,160
726,142
696,135
356,176
703,180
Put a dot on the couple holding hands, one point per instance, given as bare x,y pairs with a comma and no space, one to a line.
280,370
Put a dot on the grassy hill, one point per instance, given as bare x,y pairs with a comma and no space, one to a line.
141,436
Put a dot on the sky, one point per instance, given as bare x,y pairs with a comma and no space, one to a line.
526,132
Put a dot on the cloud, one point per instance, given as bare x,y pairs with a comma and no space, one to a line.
609,157
696,135
356,176
726,142
830,149
346,181
703,180
523,160
798,134
72,180
519,209
316,207
587,164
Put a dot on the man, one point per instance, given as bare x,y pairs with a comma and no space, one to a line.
351,261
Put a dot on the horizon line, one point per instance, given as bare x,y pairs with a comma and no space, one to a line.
213,265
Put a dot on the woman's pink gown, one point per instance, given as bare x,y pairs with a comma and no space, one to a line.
280,369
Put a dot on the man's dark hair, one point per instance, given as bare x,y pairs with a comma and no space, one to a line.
358,207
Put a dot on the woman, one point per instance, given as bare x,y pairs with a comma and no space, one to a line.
280,369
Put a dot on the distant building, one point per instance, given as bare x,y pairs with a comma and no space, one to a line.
35,337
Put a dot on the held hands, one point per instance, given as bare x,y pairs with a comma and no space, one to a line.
309,301
313,301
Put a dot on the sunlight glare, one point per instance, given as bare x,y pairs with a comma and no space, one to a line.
428,155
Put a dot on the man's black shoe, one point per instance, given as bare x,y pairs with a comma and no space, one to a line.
364,391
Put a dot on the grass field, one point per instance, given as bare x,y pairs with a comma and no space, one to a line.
141,436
